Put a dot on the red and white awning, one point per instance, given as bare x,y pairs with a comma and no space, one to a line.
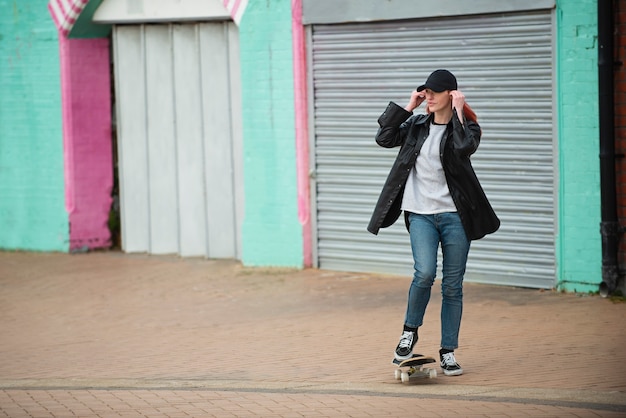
235,9
65,12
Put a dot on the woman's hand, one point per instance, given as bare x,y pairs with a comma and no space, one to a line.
417,97
458,101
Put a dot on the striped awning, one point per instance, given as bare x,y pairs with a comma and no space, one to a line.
235,9
65,13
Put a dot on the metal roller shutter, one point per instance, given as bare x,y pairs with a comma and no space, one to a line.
504,66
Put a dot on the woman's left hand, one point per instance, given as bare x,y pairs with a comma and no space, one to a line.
458,101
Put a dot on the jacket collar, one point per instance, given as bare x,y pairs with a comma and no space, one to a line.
425,119
428,119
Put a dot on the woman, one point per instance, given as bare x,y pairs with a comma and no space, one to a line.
433,182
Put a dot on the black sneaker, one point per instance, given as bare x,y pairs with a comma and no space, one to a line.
404,350
449,365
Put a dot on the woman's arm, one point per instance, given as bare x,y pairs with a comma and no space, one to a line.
417,97
465,136
394,123
466,132
458,101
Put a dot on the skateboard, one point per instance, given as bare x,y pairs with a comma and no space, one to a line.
414,367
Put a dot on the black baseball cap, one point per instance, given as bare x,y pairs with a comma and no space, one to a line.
439,80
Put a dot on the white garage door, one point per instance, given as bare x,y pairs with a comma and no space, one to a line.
179,138
504,66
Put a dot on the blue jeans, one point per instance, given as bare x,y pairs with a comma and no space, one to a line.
426,232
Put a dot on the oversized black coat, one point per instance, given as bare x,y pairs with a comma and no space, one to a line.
398,127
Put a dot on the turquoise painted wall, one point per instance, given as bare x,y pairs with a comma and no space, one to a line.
32,194
579,248
271,233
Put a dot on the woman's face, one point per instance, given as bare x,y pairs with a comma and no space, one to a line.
437,101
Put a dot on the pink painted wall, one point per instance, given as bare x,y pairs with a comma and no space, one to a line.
88,150
302,132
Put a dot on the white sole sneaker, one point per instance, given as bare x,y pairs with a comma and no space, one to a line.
456,372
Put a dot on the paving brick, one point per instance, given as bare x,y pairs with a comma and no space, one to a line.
109,334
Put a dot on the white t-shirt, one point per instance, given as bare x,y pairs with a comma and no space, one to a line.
426,191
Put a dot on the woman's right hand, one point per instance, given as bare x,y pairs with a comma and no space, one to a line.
417,97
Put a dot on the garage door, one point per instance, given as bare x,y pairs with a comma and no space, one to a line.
504,66
179,138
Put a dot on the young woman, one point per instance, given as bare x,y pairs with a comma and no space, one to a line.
433,182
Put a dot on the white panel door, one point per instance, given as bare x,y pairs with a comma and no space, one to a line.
179,137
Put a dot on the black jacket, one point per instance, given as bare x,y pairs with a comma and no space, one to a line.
399,127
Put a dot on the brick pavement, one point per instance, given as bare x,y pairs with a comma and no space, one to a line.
109,334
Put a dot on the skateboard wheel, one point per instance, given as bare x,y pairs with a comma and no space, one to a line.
432,374
405,377
398,374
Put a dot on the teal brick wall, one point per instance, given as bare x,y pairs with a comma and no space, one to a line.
579,252
271,233
32,205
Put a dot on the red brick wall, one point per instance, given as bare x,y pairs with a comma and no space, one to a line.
620,119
